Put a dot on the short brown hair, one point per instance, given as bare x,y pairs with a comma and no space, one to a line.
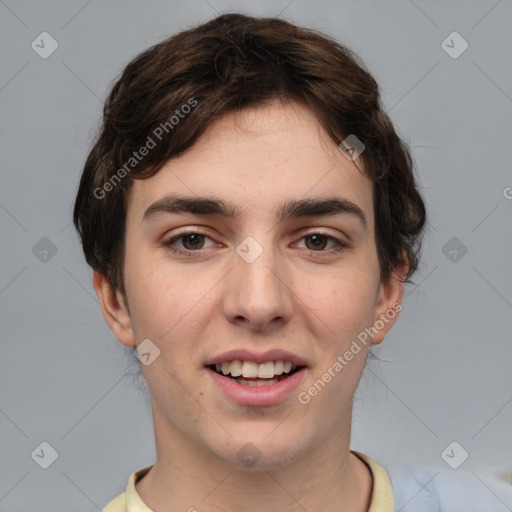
226,64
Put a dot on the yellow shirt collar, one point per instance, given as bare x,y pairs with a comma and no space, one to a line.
381,501
382,493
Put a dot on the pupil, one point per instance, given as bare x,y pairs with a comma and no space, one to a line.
316,239
196,239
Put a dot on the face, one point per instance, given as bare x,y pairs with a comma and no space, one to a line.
257,274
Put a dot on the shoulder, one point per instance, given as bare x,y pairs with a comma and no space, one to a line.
118,504
429,488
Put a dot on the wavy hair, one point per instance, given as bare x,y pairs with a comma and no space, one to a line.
231,62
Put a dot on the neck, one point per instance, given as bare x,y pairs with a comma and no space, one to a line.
186,477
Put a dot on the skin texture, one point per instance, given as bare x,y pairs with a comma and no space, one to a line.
311,301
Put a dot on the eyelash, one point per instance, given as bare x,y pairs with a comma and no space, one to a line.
340,245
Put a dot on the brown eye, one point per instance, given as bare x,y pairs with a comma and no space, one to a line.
324,244
318,242
193,241
187,244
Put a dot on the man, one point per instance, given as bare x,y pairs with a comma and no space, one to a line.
251,217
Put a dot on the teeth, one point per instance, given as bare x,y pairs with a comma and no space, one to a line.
250,369
236,368
266,382
278,367
266,370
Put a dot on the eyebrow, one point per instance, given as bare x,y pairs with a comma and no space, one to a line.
292,209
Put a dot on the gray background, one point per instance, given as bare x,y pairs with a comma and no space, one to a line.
446,372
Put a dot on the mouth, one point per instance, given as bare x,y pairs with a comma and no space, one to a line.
249,373
257,379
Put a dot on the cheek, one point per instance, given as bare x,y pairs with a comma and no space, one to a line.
340,308
168,304
342,302
155,295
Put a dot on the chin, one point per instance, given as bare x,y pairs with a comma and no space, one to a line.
261,454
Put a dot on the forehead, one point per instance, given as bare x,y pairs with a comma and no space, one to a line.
258,158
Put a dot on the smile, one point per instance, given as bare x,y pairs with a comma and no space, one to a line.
249,373
257,391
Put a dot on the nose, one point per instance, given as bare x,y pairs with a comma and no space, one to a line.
258,296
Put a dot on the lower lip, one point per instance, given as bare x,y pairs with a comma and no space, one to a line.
261,396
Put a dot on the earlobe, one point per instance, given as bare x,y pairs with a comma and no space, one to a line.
389,304
114,309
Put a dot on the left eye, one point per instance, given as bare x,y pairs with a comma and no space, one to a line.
318,241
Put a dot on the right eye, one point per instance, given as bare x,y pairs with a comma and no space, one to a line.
190,241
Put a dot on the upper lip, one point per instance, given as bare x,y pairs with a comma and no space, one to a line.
263,357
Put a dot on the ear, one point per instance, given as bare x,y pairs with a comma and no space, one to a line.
389,302
114,309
